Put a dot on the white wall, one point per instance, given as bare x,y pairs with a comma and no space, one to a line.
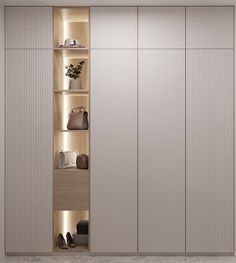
1,131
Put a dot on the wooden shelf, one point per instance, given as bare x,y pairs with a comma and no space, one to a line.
72,92
56,130
73,171
77,53
80,249
71,48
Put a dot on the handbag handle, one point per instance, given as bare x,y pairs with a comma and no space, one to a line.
78,109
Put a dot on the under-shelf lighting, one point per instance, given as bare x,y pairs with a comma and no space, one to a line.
65,107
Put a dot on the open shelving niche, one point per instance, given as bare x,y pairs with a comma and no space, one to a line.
70,186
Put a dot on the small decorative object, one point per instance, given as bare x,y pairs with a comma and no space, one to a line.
82,161
71,43
67,159
74,71
78,119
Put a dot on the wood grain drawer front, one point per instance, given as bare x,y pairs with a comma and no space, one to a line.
71,190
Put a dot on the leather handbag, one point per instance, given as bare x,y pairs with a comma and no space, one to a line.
78,119
67,159
82,161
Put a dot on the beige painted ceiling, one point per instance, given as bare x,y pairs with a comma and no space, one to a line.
114,2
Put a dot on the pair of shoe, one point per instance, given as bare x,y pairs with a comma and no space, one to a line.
62,243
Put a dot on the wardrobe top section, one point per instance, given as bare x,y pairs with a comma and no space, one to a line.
124,27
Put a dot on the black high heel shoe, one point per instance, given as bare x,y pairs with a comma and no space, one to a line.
70,241
61,242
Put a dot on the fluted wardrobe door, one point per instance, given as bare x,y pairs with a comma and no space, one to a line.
113,153
161,130
209,130
28,132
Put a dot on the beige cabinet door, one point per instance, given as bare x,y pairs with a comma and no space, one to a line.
28,130
113,190
28,151
113,27
209,27
161,27
161,151
209,151
28,27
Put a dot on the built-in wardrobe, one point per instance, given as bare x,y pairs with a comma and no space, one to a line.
159,90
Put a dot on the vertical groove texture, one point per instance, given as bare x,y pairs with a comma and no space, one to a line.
209,149
29,130
114,27
28,27
161,27
161,151
28,151
114,151
209,27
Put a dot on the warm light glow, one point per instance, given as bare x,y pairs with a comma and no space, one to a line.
65,30
65,222
65,107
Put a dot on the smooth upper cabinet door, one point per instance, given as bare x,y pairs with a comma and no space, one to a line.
209,27
113,151
209,156
29,151
161,158
29,27
113,27
161,27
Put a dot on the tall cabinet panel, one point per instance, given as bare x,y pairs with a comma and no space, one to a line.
114,151
209,129
161,130
113,192
28,135
209,156
161,151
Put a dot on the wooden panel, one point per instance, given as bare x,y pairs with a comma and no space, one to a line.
209,27
71,189
28,151
113,27
113,151
28,27
161,159
209,142
161,27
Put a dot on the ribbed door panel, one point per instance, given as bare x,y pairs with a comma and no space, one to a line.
113,151
209,27
28,151
161,27
28,27
209,156
113,27
161,151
